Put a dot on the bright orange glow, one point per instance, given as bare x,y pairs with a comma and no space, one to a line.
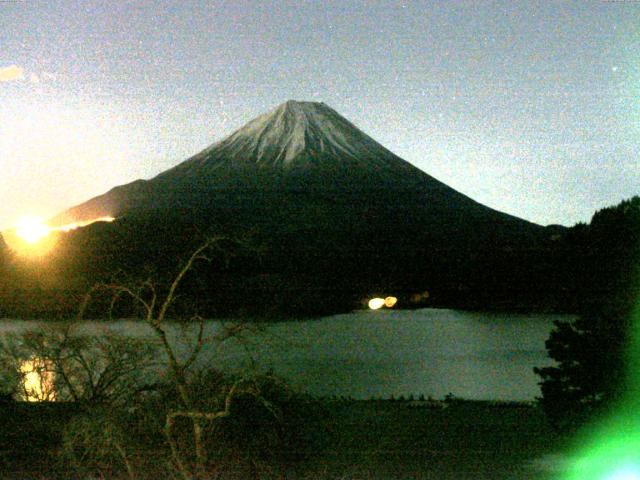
32,236
376,303
31,229
389,302
37,380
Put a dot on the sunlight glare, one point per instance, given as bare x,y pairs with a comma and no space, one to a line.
75,225
31,229
32,237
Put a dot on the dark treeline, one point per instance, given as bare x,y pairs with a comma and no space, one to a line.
594,353
286,264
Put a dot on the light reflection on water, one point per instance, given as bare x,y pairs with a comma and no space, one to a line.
381,353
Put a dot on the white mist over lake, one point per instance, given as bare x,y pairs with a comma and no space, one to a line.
368,354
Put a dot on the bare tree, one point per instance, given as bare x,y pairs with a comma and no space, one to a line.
56,362
155,307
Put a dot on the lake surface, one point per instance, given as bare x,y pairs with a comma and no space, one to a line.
368,354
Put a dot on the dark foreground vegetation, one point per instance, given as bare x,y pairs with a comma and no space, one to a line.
333,440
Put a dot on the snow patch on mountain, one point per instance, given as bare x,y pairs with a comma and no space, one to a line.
298,129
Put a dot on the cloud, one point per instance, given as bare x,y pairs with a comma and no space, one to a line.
10,73
33,78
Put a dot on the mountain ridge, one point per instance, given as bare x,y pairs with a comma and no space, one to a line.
335,218
294,128
295,147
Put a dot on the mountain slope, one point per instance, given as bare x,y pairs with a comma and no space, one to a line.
298,147
337,215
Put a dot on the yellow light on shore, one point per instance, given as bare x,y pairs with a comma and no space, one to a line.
389,302
376,303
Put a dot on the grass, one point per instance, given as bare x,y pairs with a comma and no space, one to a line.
359,440
467,440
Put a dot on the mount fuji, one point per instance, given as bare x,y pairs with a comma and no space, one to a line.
335,211
303,147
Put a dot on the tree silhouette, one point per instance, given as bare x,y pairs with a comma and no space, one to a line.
155,305
591,351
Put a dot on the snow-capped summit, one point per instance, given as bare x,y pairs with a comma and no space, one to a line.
296,129
294,135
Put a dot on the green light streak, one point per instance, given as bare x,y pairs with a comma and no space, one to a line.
610,450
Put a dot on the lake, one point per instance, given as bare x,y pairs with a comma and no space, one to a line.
368,354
